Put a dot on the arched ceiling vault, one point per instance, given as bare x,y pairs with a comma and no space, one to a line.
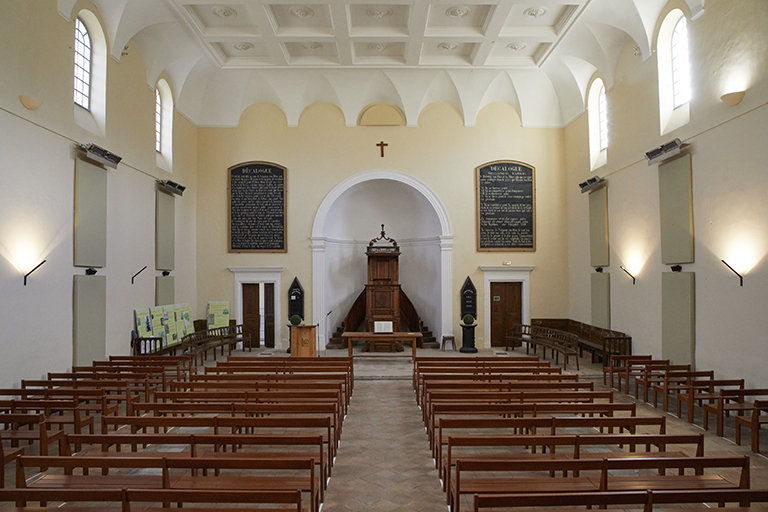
538,56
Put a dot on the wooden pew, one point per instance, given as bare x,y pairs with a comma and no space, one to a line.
699,391
260,474
455,410
677,382
603,481
7,455
616,364
204,445
56,412
753,422
617,446
136,500
635,368
648,500
555,425
731,401
653,374
31,428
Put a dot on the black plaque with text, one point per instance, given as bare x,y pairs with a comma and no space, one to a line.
257,210
506,206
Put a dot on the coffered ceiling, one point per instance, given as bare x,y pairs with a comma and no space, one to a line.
539,56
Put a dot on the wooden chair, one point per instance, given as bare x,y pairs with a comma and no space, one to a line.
753,422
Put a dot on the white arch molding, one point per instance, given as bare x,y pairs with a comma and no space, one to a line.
319,239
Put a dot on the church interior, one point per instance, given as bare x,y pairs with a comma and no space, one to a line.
647,175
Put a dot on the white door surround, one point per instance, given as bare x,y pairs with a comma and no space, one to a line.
249,275
505,274
319,240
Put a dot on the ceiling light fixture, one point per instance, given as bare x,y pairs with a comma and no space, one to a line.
535,12
516,47
312,46
301,11
378,47
447,47
379,12
224,12
243,47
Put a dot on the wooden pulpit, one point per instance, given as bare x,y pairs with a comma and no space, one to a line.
383,288
303,341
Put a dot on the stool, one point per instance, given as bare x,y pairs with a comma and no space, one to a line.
448,338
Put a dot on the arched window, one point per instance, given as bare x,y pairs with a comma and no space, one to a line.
681,74
164,125
597,111
674,72
90,76
82,65
158,122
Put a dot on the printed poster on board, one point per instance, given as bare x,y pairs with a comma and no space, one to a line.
158,326
218,314
169,321
143,323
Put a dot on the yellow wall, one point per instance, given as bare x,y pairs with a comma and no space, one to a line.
441,152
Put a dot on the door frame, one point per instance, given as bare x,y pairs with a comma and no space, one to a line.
505,274
252,275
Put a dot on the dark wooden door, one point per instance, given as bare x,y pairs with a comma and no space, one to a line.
251,320
506,309
269,315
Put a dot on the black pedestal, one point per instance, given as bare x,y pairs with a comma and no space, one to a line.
468,339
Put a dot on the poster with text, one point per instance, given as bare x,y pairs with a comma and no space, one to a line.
143,323
218,314
158,325
169,317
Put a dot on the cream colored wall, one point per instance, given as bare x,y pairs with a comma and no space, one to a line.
729,186
36,196
441,152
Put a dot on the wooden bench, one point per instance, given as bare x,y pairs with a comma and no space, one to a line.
699,391
271,446
615,365
252,474
454,410
753,422
600,342
199,343
555,425
30,428
128,500
55,412
535,447
559,342
654,374
675,382
7,455
731,401
603,481
635,368
648,500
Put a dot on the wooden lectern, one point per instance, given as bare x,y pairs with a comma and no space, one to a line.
303,341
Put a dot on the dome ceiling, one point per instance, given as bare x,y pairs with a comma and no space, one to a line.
536,55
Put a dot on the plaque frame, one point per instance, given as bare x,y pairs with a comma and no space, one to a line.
285,207
478,212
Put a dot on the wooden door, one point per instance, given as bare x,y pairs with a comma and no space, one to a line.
269,315
506,310
251,317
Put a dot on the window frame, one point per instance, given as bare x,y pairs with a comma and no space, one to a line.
82,81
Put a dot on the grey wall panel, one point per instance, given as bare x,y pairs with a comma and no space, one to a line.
89,319
678,317
165,229
165,291
676,211
90,238
599,254
601,299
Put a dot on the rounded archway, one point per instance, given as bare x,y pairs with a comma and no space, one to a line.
350,215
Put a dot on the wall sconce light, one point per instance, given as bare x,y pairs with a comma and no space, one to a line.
599,270
99,154
665,151
627,272
171,187
591,184
741,279
137,273
676,268
27,274
30,102
732,98
90,271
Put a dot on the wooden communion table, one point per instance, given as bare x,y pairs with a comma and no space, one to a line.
392,340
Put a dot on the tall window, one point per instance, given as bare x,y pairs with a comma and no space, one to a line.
158,122
82,65
597,112
681,74
602,106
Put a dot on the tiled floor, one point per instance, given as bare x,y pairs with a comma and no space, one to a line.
384,462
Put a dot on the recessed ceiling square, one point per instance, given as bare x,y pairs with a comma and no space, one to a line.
378,19
302,19
212,16
458,19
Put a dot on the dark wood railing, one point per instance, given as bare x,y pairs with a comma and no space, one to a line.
408,314
356,315
601,343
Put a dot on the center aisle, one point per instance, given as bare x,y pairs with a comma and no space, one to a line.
384,463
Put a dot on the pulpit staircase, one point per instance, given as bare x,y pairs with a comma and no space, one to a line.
409,320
